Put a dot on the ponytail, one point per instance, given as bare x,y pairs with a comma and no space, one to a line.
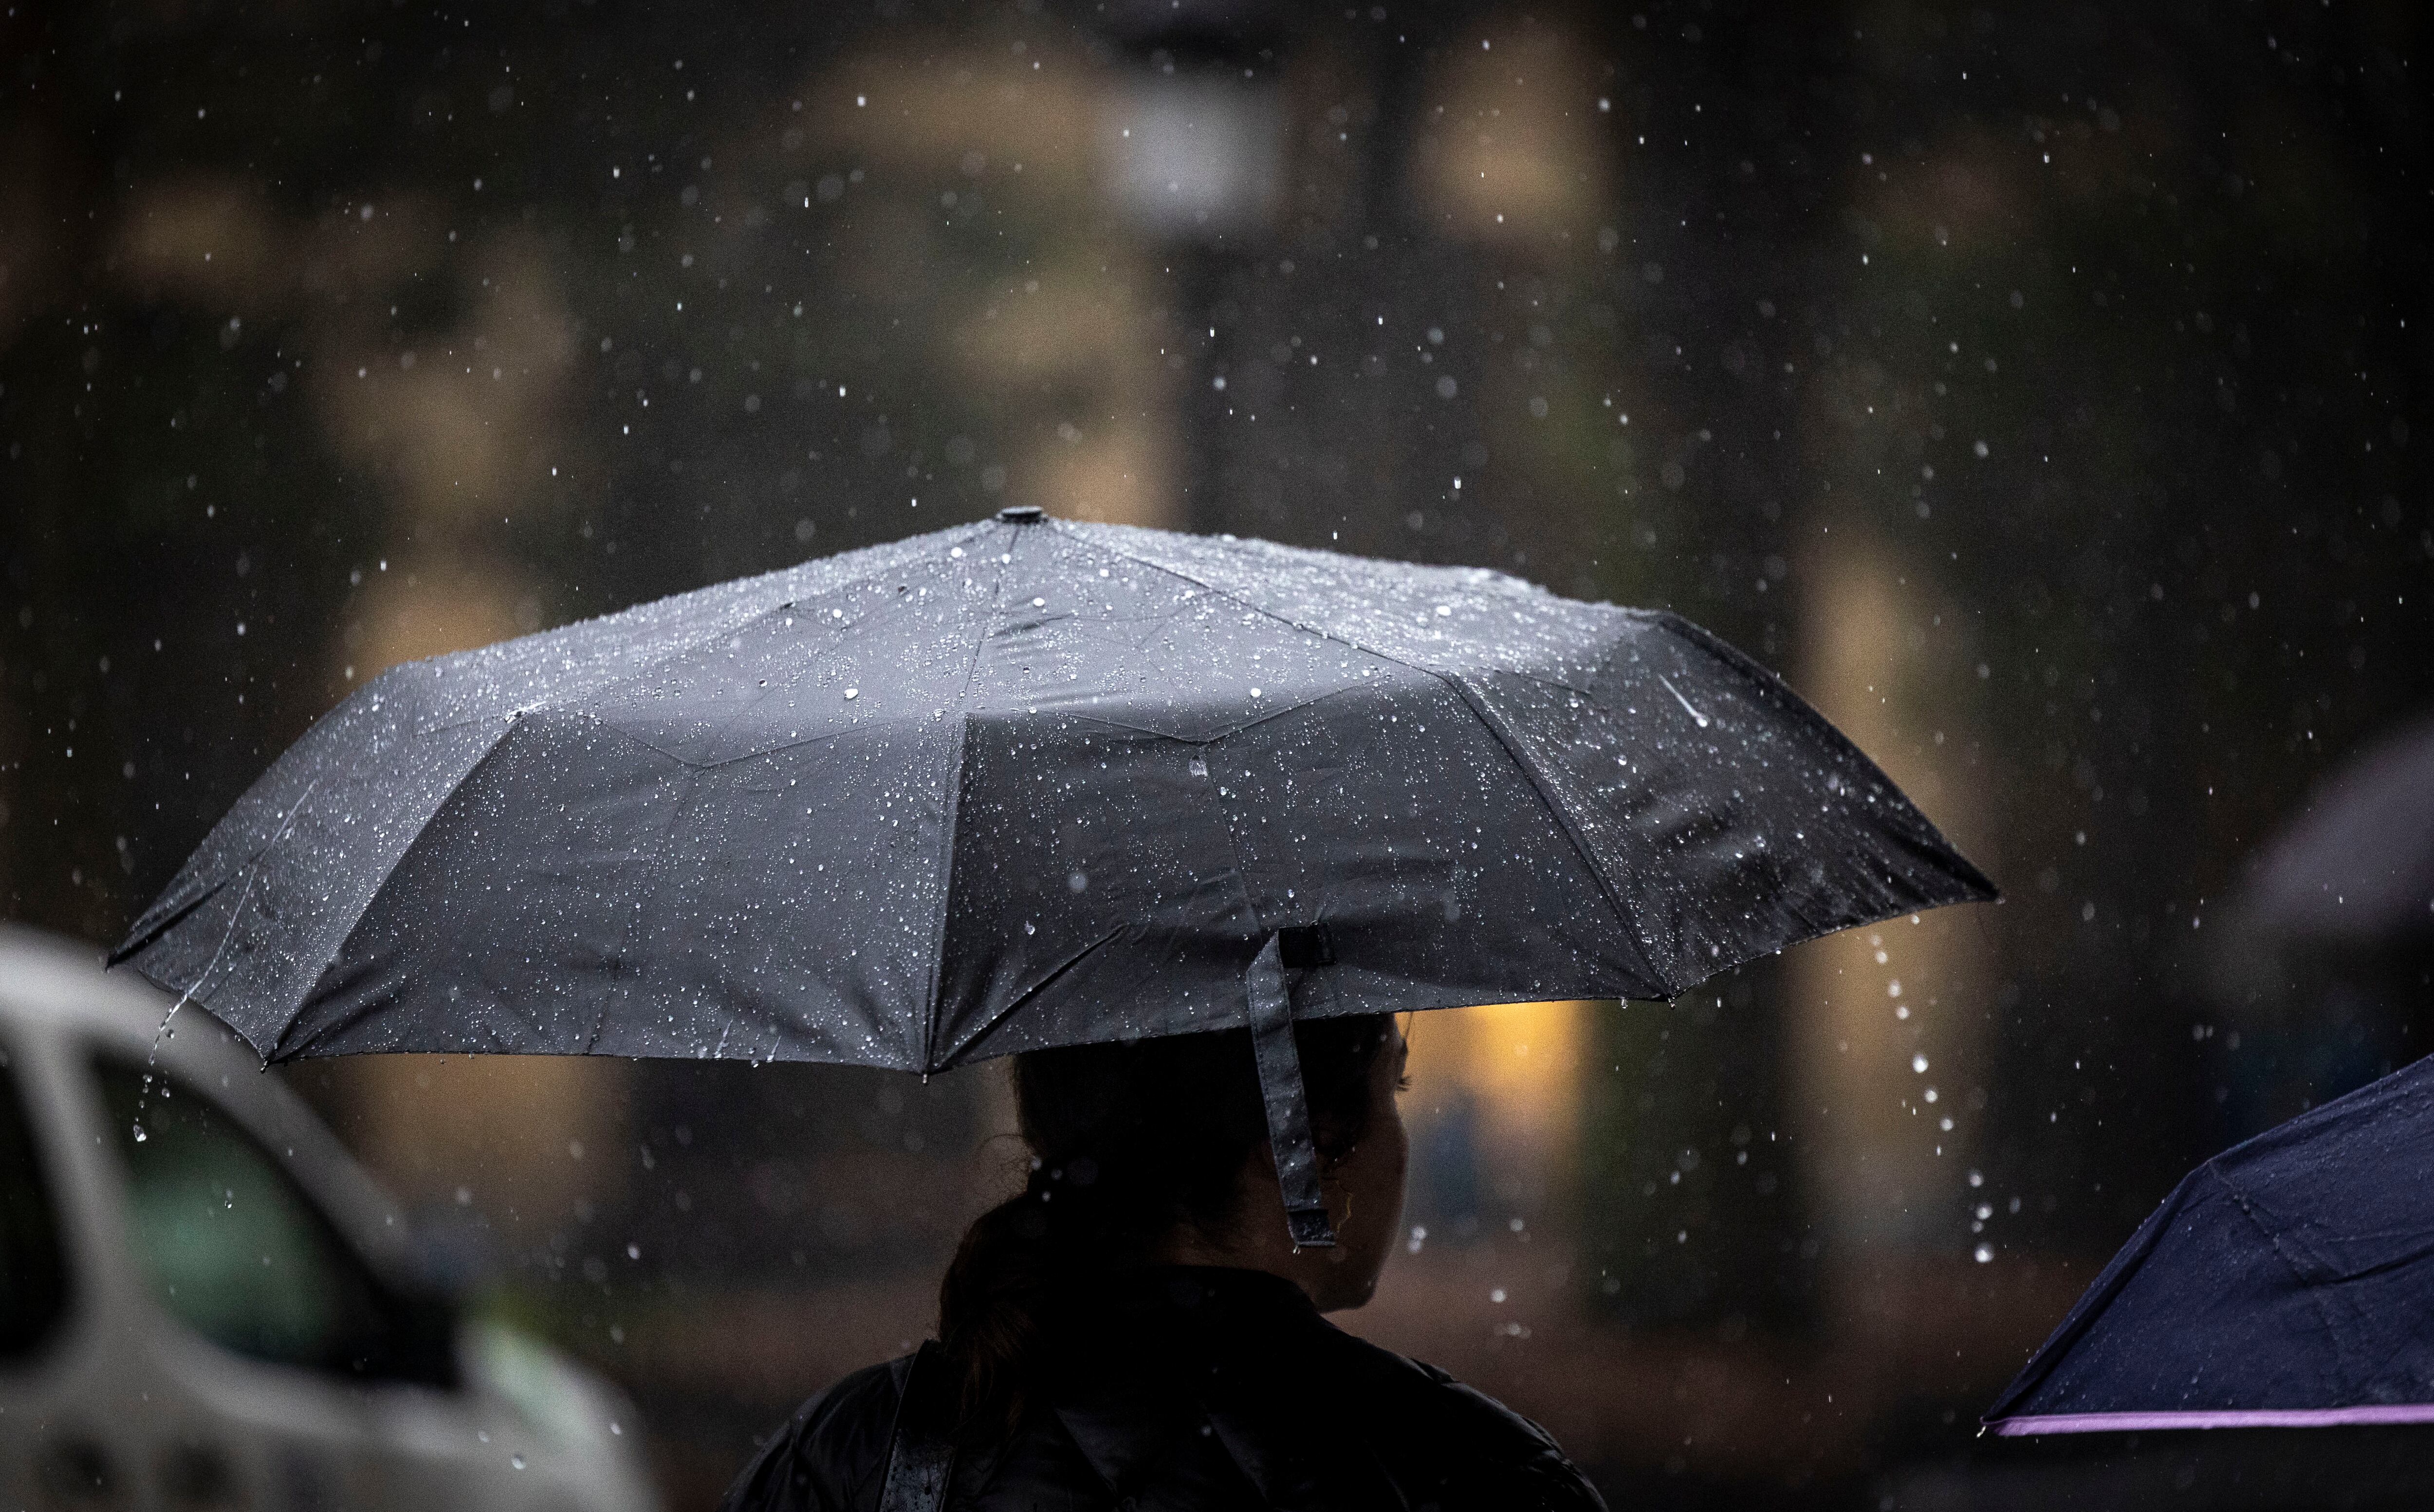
1129,1143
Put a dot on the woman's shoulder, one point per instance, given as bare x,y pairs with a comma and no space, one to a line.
1430,1426
830,1455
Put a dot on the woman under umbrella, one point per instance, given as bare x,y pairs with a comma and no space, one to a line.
1052,790
1136,1327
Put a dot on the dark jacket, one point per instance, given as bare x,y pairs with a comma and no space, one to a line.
1184,1388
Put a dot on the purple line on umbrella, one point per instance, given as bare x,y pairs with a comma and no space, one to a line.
2137,1422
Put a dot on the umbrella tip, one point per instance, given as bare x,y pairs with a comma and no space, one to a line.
1021,514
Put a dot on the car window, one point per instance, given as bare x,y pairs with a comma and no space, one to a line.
33,1271
234,1248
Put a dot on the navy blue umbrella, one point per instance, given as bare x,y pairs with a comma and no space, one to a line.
2287,1281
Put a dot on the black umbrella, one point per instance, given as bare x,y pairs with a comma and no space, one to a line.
2285,1282
1029,782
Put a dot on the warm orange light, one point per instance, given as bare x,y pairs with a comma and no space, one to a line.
1517,1063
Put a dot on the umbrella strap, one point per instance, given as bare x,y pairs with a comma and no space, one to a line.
1288,1101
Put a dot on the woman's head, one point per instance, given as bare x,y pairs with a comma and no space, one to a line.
1158,1150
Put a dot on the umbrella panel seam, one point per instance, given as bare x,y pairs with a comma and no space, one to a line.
1477,703
2248,1204
953,795
1663,621
621,677
1461,689
277,1052
150,931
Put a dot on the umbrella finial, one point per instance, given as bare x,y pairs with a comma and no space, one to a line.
1021,514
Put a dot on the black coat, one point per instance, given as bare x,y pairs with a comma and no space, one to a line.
1187,1387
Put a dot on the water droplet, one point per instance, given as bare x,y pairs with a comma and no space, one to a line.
516,1460
140,1135
852,694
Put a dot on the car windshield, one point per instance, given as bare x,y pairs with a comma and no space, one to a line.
232,1247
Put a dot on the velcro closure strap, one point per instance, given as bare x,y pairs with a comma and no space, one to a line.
1287,1100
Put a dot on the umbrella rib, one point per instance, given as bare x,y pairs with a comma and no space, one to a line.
2247,1204
142,935
2092,1303
683,796
507,726
890,610
1106,722
989,1026
237,914
1778,694
1530,773
1461,690
954,796
759,611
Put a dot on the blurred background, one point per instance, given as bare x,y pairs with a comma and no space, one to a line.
2040,389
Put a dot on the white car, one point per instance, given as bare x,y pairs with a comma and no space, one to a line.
205,1303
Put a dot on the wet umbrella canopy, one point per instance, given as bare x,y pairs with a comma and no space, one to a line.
1030,782
2283,1283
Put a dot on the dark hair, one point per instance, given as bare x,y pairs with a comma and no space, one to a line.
1128,1142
